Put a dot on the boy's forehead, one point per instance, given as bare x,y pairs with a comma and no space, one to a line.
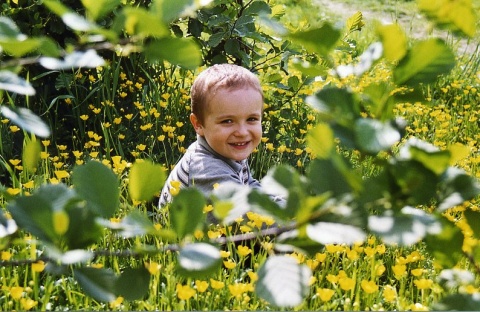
216,98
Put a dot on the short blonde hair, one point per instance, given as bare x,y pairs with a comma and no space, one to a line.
220,76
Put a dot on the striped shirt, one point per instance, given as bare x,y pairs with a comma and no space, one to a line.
202,167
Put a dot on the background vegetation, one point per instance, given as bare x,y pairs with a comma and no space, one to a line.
136,106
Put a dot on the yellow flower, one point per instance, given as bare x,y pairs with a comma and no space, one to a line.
28,303
141,147
117,120
325,294
5,255
14,129
201,286
253,276
239,289
423,283
61,174
46,143
116,303
15,162
84,117
185,292
153,267
320,257
332,278
399,270
389,293
161,138
380,269
229,264
13,191
224,253
217,284
16,292
346,283
417,272
243,251
369,287
38,266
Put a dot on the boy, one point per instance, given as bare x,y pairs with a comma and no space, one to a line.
227,107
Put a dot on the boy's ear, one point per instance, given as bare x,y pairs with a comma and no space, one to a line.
196,124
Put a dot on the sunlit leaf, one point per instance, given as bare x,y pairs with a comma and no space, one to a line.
145,180
282,281
170,10
335,233
458,302
334,103
458,152
97,283
135,224
143,23
394,41
99,8
473,219
186,211
374,136
404,229
230,201
424,63
179,51
458,16
9,30
457,187
13,83
133,283
76,256
355,22
78,59
198,260
318,40
321,140
445,246
31,154
325,177
99,186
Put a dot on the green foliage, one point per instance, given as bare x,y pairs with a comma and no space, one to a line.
333,203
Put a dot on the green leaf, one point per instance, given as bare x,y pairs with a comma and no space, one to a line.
230,201
458,302
404,229
70,257
321,140
458,16
437,161
20,48
394,41
145,179
473,219
170,10
31,154
97,283
99,186
198,260
136,224
133,283
283,282
319,40
13,83
257,7
99,8
424,63
26,119
267,205
77,59
143,23
9,30
374,136
178,51
34,213
338,104
456,187
186,211
446,246
335,233
326,178
291,241
355,22
83,229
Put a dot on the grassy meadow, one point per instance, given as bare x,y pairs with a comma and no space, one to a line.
128,110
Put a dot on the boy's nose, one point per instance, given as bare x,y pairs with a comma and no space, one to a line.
241,130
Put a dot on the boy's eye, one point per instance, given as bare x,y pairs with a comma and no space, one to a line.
226,121
253,119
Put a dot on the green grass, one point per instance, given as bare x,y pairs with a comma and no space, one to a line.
139,111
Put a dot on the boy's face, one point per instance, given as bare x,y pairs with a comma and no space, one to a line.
232,125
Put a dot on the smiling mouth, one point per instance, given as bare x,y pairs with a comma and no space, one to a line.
239,144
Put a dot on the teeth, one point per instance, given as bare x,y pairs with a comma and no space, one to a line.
239,144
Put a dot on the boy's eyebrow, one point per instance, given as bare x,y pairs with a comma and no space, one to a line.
233,116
